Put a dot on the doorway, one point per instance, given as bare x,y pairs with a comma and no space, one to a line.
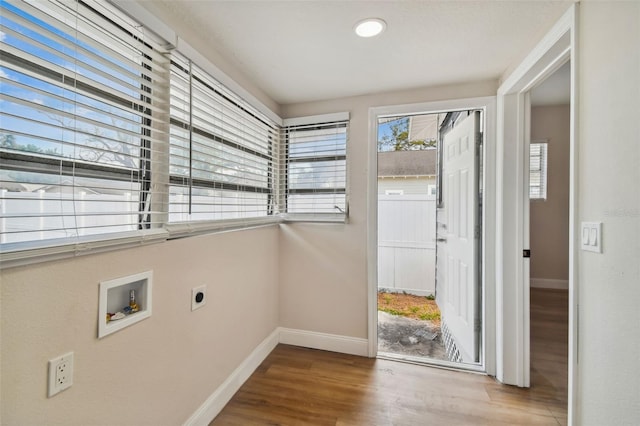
430,298
549,154
409,319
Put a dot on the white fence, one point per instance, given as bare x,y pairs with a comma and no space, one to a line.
407,243
40,215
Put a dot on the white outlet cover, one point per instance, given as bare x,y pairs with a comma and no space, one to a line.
194,292
60,373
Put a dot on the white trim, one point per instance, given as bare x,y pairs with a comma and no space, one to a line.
316,119
32,252
488,104
574,223
324,341
526,241
549,283
188,229
223,394
529,72
558,46
372,235
314,217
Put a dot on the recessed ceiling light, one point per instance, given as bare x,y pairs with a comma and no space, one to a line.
370,27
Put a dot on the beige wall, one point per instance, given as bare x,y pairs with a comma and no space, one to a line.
609,191
549,222
323,275
158,371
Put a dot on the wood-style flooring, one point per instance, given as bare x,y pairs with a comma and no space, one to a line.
298,386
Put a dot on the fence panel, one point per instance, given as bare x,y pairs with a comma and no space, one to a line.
407,243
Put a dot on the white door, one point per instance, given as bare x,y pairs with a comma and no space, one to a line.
458,291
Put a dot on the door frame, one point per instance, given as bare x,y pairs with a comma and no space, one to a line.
513,314
488,242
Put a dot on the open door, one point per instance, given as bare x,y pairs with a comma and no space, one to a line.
458,293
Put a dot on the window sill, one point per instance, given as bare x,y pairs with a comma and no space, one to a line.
29,253
188,229
315,218
20,254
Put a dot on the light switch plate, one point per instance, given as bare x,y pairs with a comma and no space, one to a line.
591,236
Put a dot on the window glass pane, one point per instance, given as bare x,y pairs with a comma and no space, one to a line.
316,168
76,122
538,171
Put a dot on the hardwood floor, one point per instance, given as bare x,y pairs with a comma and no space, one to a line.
549,349
298,386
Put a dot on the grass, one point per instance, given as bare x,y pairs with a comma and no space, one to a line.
407,305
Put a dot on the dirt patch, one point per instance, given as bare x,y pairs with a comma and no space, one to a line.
409,306
407,336
409,325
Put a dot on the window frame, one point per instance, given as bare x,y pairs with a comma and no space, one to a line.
324,121
543,160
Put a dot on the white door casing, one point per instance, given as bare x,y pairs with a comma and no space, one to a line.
512,313
458,291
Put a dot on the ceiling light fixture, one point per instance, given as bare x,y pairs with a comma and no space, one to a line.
370,27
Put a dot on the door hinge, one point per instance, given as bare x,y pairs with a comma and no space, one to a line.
526,253
477,231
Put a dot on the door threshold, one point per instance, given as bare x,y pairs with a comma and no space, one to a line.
429,362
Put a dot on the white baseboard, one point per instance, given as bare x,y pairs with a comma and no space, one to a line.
549,283
221,396
308,339
327,342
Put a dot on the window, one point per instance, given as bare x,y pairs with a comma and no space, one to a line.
314,168
80,96
221,164
107,139
538,171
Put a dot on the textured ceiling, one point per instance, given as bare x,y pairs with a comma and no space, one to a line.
299,51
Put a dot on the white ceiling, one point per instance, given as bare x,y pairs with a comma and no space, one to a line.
555,90
299,51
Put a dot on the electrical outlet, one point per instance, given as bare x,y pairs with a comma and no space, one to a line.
198,297
60,373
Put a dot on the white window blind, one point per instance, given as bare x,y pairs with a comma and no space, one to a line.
538,170
82,90
221,165
314,170
107,140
